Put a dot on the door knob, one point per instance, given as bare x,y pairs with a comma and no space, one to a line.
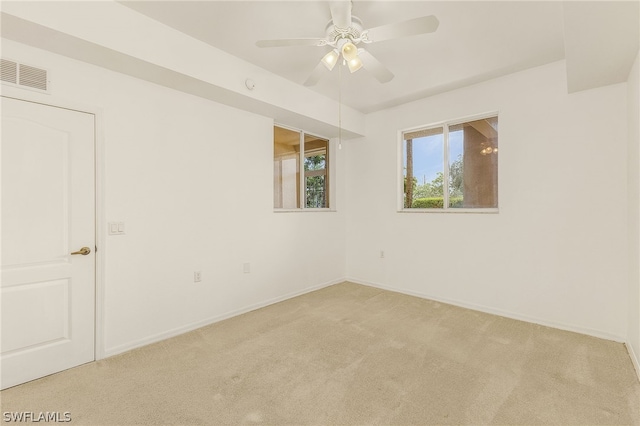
83,251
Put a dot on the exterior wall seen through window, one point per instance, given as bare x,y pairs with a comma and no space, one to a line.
451,166
296,187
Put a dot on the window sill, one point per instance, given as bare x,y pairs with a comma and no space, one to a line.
452,210
304,210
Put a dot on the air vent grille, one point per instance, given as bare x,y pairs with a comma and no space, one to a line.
24,75
33,77
9,71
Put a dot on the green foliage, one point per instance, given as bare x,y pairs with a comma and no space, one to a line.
428,203
415,183
314,162
456,180
431,189
435,202
315,192
413,187
455,202
315,185
430,194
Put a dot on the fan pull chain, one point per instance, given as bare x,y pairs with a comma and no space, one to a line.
339,107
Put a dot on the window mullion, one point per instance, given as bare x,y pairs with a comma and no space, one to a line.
468,153
445,169
302,194
312,173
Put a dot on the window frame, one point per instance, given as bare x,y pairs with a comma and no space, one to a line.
328,172
445,124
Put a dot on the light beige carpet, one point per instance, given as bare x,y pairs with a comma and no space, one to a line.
351,355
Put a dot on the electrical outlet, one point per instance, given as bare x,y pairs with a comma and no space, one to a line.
246,267
197,276
381,254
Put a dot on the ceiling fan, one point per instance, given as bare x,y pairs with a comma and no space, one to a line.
344,33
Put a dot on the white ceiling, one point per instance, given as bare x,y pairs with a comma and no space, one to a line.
475,41
182,45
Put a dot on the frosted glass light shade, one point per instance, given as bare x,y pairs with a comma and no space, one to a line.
349,51
330,59
354,64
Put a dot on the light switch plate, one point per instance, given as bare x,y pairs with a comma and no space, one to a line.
116,228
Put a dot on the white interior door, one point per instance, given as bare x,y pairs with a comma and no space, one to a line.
48,211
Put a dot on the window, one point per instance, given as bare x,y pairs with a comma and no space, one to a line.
291,148
451,166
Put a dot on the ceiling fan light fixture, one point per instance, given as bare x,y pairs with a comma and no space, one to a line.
349,51
354,64
330,59
344,32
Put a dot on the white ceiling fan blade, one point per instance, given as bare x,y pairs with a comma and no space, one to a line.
316,74
371,64
286,42
341,13
422,25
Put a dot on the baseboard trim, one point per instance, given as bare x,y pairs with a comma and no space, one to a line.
494,311
634,359
194,326
208,321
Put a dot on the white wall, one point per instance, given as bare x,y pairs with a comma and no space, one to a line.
633,100
192,180
556,253
107,34
187,176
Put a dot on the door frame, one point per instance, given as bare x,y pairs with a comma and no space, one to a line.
99,201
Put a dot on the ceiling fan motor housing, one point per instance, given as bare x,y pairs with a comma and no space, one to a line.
344,32
353,33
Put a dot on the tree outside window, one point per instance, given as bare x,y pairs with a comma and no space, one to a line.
461,157
294,188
